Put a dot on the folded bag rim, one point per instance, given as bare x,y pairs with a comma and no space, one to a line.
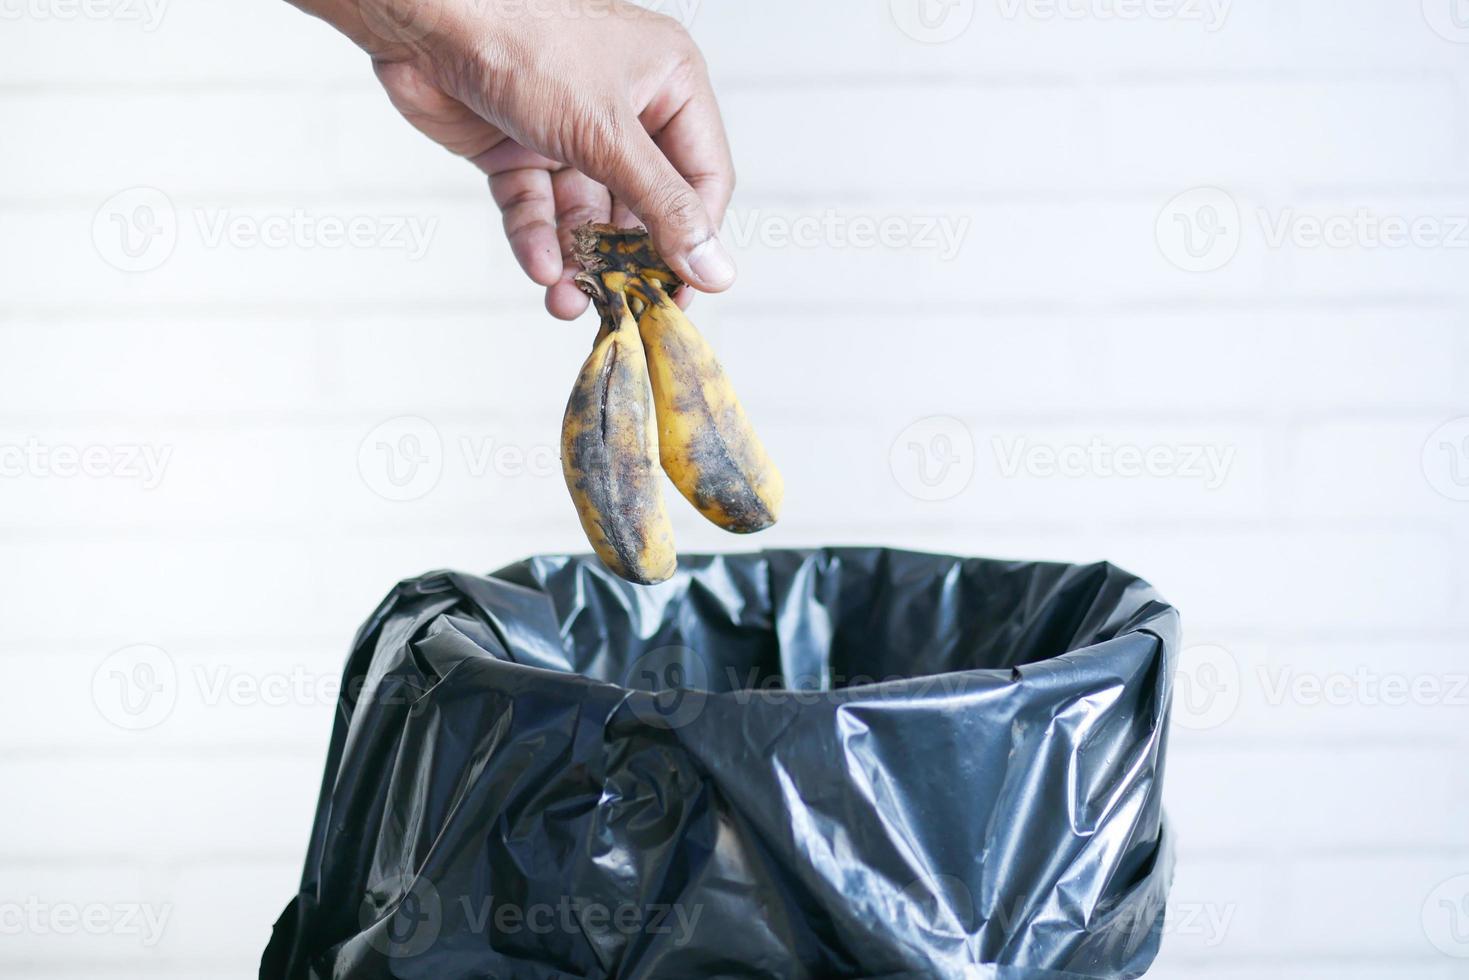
1154,617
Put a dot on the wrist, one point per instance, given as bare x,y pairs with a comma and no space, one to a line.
391,30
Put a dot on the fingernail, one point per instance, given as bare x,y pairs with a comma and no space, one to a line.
712,265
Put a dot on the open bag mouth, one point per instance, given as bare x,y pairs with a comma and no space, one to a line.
864,762
798,623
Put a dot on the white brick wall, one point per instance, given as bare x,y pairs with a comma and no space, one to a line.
1320,798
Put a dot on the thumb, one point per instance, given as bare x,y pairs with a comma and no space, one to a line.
639,175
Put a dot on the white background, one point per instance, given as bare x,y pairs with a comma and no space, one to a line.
1320,827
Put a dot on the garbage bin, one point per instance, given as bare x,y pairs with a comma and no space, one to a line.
844,762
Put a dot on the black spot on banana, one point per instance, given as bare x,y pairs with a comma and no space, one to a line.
609,449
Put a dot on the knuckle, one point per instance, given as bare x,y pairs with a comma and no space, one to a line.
679,36
520,199
577,215
660,19
676,206
600,136
518,225
693,56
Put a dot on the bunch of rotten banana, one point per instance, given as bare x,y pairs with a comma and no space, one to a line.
651,392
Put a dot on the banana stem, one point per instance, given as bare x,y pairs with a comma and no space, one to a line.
602,249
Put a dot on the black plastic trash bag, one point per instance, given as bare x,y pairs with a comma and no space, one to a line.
861,763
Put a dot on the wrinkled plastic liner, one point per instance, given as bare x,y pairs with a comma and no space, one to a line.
790,764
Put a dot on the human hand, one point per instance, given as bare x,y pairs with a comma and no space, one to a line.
578,110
